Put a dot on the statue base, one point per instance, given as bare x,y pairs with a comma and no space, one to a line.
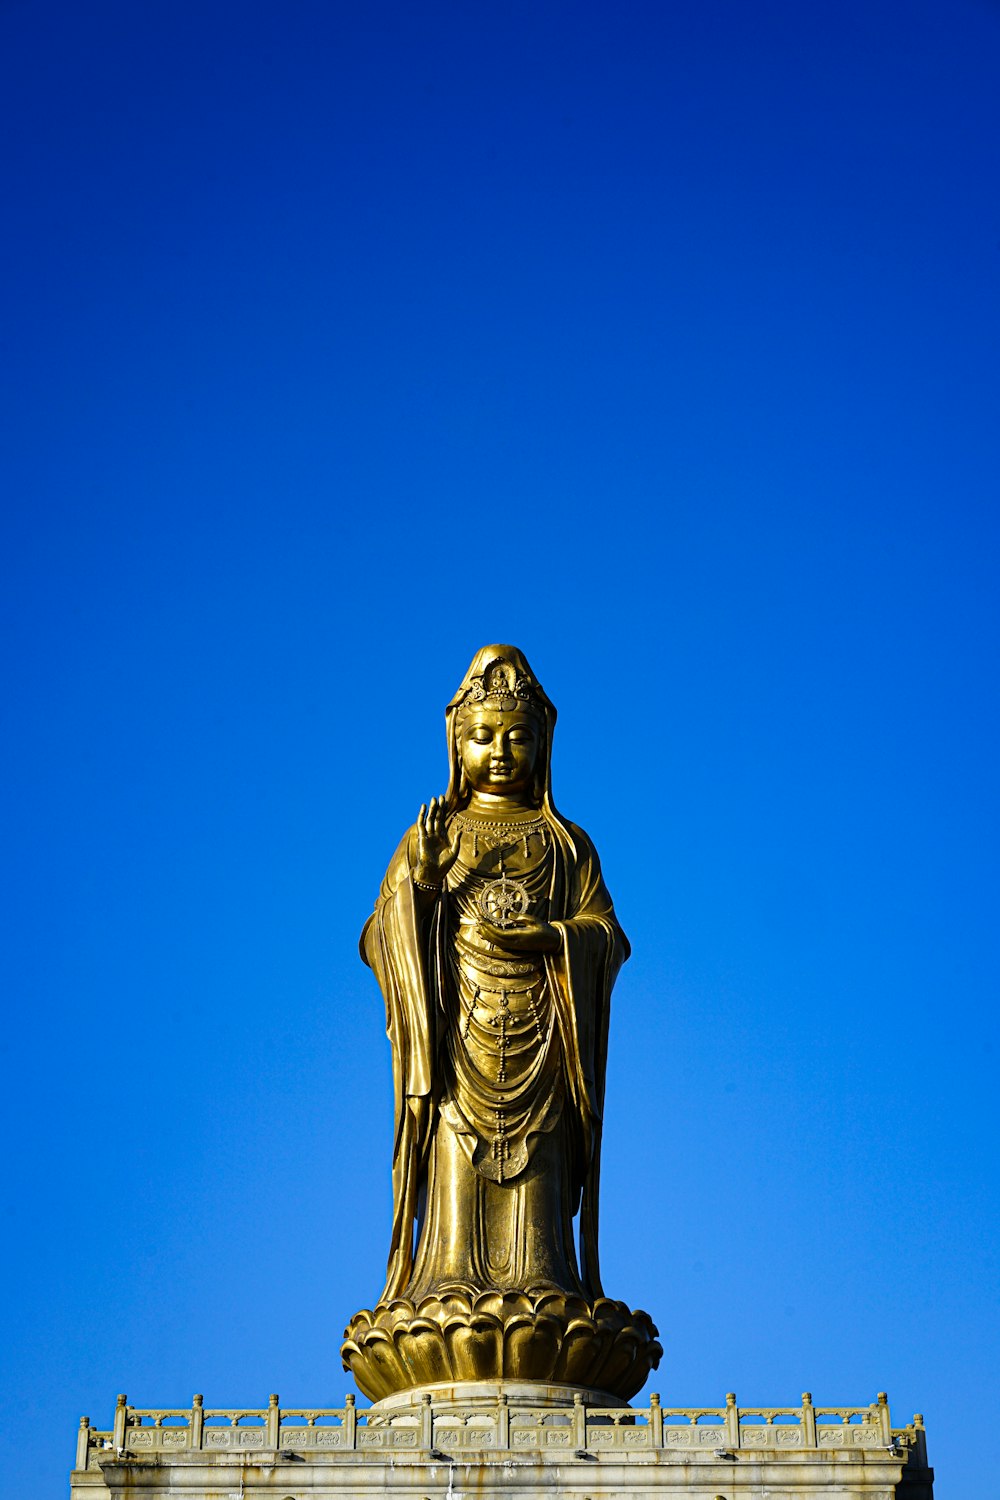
487,1395
489,1441
539,1336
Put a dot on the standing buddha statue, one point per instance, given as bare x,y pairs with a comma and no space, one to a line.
496,946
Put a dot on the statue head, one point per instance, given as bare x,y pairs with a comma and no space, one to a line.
500,726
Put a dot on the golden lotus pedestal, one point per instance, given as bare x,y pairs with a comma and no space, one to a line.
544,1337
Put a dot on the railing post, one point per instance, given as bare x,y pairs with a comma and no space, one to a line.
118,1437
808,1420
503,1423
83,1443
656,1418
350,1422
197,1429
426,1423
885,1421
921,1436
273,1421
732,1421
579,1421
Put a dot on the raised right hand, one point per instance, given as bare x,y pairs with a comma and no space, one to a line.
435,854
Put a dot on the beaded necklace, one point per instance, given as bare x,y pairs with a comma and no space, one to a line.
499,833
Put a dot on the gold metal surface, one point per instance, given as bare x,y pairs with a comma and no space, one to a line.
498,1030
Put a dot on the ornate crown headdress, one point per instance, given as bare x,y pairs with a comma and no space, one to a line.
500,687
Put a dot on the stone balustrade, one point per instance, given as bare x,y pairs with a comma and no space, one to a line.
509,1425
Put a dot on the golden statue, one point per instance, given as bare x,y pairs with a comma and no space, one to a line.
495,945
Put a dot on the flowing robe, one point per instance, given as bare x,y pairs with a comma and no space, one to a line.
498,1062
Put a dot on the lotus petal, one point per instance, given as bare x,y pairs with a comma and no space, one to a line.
620,1361
452,1304
424,1352
475,1347
582,1352
383,1361
399,1310
530,1347
559,1305
509,1305
367,1380
488,1304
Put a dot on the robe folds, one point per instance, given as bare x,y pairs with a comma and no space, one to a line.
411,942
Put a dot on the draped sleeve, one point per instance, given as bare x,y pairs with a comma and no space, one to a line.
582,975
400,943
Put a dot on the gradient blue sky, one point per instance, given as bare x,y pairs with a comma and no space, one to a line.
661,339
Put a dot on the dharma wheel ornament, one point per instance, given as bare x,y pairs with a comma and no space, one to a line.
503,901
495,944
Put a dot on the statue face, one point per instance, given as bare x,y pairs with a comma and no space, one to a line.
499,750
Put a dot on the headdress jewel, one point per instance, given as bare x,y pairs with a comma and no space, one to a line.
500,687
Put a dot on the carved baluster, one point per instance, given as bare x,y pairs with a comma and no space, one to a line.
579,1421
350,1421
885,1421
273,1422
808,1420
118,1438
921,1437
656,1419
196,1430
732,1421
503,1423
83,1443
426,1423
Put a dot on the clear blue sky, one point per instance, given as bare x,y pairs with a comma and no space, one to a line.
338,340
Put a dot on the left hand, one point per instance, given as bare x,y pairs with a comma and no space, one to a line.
524,935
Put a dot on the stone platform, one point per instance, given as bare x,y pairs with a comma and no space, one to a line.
481,1442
